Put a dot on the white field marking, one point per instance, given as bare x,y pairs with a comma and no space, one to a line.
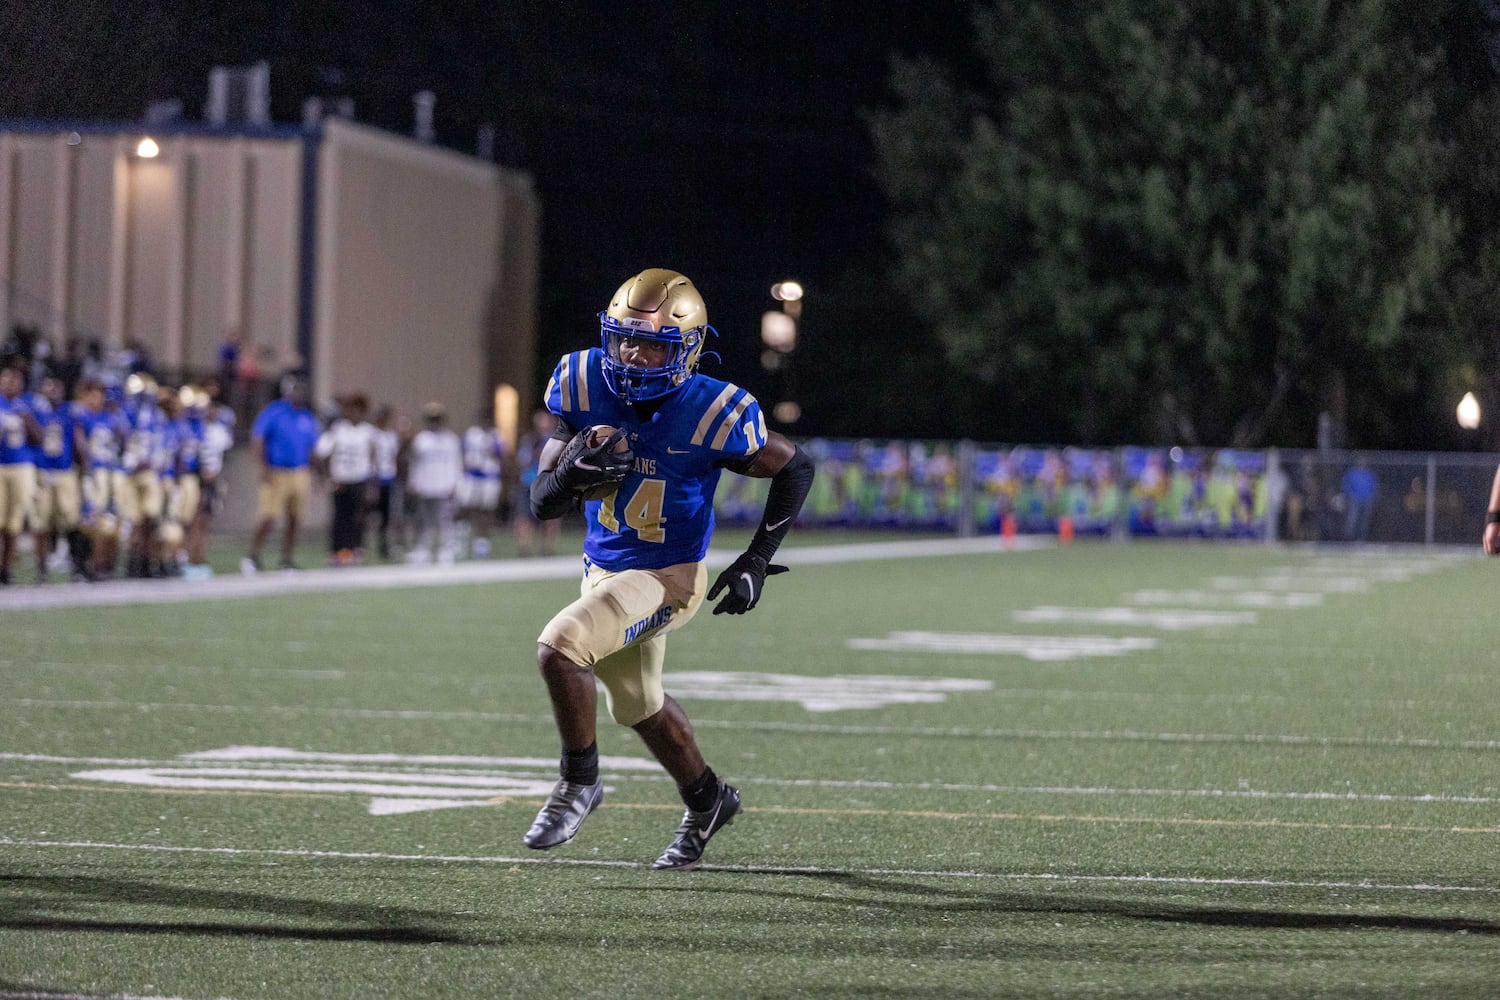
230,587
1170,619
818,694
32,995
392,714
1281,584
328,780
1250,883
1104,791
1039,648
813,728
640,769
1376,574
1219,599
251,753
433,784
184,668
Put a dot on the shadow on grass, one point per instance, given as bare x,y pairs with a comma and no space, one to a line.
904,896
43,903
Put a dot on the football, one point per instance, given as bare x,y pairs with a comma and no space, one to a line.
598,434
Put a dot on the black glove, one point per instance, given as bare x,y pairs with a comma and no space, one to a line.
745,579
593,470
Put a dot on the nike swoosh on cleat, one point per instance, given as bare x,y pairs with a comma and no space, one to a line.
773,527
707,831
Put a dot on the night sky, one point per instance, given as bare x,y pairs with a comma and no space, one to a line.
726,143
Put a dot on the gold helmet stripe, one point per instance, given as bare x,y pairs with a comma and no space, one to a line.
714,409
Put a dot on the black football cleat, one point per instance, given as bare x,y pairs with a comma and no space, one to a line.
686,849
563,813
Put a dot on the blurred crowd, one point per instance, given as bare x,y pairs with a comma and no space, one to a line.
106,471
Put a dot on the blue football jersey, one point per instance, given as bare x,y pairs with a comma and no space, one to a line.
104,436
663,512
15,445
56,423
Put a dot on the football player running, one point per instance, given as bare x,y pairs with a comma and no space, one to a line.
649,487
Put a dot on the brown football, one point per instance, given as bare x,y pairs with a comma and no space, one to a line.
598,434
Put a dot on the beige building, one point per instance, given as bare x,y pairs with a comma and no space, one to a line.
379,262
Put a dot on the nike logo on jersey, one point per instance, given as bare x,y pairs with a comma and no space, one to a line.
773,527
677,451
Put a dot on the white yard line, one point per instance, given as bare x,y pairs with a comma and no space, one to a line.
759,869
274,584
807,728
475,770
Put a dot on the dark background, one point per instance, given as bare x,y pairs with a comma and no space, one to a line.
727,143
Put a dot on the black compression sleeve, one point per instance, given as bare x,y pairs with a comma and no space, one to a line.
789,489
549,499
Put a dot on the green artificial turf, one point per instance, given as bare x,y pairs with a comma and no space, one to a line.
1302,804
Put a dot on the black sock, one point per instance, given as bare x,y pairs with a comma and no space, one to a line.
700,795
581,766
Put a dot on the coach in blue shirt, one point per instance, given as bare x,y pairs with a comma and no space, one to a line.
282,439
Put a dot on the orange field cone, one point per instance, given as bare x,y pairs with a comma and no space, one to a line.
1008,531
1065,530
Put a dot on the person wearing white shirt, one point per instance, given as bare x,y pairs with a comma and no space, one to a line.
347,452
434,470
216,440
479,494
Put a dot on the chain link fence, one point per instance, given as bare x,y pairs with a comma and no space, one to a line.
967,488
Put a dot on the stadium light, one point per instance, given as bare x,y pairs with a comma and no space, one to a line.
778,331
1468,412
786,291
147,149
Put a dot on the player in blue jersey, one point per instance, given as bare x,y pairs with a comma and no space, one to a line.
56,507
104,433
18,435
648,533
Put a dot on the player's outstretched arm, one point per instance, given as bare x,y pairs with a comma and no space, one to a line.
791,474
1491,540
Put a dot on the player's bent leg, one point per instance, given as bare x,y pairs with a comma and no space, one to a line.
563,813
685,852
580,789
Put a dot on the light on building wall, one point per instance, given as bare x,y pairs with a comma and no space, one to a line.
1468,412
508,415
147,148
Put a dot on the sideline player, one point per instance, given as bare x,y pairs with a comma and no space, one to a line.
644,568
18,433
57,505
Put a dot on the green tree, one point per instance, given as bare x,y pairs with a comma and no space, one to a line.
1196,220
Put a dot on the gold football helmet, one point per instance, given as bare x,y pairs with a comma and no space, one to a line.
657,305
